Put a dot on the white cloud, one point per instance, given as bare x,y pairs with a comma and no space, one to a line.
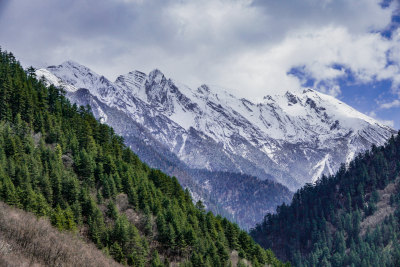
394,104
389,123
333,90
316,51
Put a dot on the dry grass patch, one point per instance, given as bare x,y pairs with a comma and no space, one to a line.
26,240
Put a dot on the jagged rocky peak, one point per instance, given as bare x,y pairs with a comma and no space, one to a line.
157,77
203,89
291,98
163,92
135,75
121,78
308,90
133,80
156,87
139,76
81,77
268,98
247,102
72,65
160,92
73,73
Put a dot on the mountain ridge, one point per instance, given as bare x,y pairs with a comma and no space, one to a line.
138,138
292,138
301,118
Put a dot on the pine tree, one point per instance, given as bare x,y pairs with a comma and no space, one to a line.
116,252
155,260
112,211
58,218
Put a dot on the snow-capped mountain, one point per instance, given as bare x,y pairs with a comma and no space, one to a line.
241,197
201,135
292,138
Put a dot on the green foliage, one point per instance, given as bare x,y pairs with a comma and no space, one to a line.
112,211
57,160
322,226
155,260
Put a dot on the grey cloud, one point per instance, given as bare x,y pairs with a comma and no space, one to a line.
357,16
44,30
193,41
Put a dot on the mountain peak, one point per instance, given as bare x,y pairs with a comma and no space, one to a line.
203,89
293,99
156,76
268,98
133,80
70,64
69,67
81,77
308,90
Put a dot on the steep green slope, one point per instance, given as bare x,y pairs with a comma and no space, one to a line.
57,161
350,219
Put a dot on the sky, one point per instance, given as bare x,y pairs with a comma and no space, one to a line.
346,48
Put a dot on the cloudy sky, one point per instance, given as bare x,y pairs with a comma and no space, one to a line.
346,48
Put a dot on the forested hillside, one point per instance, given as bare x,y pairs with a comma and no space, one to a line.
350,219
27,240
58,161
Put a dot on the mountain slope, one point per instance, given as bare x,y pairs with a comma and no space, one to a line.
26,240
58,161
147,148
138,129
292,138
350,219
242,195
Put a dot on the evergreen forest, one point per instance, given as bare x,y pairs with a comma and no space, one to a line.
58,162
349,219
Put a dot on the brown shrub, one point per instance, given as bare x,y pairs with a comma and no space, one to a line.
26,240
